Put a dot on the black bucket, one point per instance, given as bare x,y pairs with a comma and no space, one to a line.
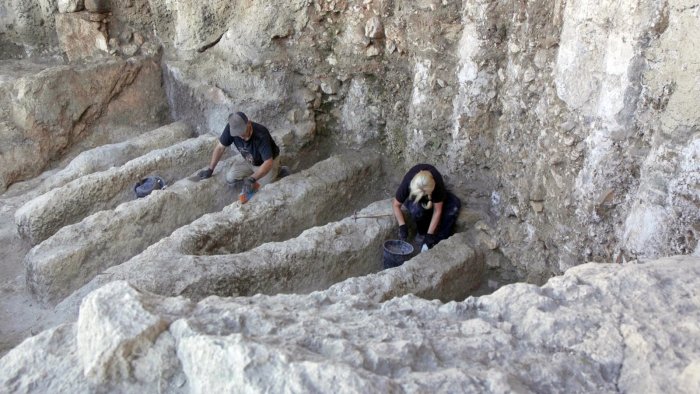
396,252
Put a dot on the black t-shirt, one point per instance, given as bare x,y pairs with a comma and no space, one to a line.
259,148
404,190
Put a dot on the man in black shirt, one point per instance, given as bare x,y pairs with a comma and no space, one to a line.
257,147
433,208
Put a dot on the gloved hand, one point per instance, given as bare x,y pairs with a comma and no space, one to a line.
248,185
403,232
204,174
430,240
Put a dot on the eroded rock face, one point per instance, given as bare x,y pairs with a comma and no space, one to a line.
600,327
40,124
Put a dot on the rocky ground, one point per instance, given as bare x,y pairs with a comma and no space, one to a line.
603,328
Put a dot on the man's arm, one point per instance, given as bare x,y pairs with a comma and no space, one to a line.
216,155
263,170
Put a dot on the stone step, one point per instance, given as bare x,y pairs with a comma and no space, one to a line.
41,217
326,192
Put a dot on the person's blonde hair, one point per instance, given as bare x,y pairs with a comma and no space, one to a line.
423,185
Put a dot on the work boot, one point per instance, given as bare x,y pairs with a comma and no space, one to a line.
283,172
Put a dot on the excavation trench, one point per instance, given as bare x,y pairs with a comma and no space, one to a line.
345,255
76,253
279,211
347,251
41,217
104,157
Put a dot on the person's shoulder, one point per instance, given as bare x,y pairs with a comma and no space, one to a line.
259,127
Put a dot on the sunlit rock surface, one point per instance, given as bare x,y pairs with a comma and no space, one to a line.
598,328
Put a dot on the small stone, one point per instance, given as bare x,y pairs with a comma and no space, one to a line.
537,206
568,140
97,5
313,86
101,42
126,36
374,28
529,75
66,6
130,49
372,51
138,39
329,86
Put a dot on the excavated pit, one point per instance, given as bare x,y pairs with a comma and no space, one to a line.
347,251
76,253
238,228
41,217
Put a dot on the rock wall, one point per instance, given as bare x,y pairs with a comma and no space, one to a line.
599,328
27,28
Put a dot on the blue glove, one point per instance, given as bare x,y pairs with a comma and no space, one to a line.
403,232
249,185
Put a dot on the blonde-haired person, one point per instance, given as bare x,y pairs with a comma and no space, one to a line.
433,208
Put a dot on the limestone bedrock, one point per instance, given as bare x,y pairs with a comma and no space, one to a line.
598,328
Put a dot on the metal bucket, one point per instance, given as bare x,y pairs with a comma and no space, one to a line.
396,252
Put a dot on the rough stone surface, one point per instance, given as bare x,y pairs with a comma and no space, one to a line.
70,5
598,328
97,5
77,253
80,37
39,126
531,109
203,93
109,155
28,25
450,271
189,260
41,217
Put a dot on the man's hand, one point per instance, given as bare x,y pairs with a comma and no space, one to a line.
403,232
204,174
430,240
249,185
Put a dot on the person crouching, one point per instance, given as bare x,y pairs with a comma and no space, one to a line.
433,208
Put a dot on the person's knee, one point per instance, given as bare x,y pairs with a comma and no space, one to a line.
231,178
